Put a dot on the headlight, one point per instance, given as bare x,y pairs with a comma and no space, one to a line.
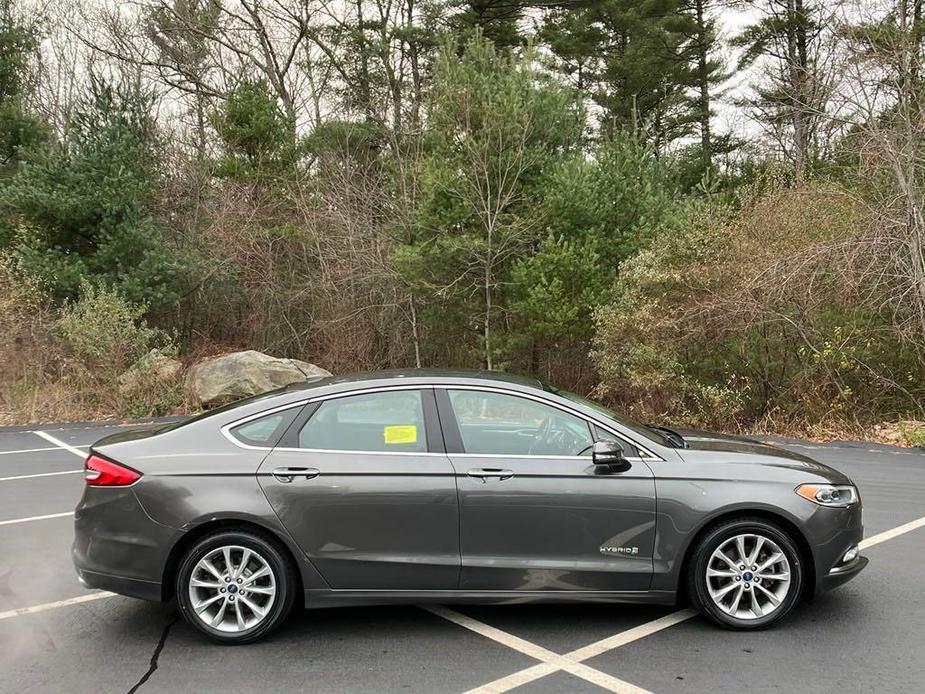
834,495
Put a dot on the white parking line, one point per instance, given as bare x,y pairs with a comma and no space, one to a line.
890,534
40,450
54,605
593,650
550,661
61,444
624,637
39,474
14,521
575,658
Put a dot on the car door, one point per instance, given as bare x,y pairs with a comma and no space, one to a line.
363,484
535,513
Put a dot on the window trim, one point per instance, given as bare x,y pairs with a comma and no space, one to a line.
278,432
594,426
456,448
445,421
430,423
228,433
291,438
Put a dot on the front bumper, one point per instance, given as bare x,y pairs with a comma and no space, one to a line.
831,533
117,546
842,573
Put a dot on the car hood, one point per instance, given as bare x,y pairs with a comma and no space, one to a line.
699,436
703,443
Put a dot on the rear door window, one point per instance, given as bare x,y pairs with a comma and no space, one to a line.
385,422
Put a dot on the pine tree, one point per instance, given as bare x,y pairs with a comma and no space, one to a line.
792,97
636,59
18,129
708,72
498,21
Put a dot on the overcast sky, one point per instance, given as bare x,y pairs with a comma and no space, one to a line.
731,21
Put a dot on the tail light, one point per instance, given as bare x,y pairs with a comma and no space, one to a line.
99,472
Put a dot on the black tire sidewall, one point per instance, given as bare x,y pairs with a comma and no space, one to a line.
279,563
713,539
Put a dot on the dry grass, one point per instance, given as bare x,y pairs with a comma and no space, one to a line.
904,433
39,380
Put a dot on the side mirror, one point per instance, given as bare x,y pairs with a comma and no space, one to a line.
608,457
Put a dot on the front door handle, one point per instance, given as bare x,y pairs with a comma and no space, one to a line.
287,474
486,473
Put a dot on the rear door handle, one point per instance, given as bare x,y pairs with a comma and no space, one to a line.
288,474
486,473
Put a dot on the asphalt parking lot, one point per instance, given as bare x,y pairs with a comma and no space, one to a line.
56,637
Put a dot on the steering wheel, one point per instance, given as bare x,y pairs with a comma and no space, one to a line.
586,448
541,434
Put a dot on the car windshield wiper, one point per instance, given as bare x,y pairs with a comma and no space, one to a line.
676,439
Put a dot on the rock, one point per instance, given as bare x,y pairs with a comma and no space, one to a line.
234,376
153,368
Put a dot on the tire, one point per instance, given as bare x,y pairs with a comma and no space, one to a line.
253,599
738,598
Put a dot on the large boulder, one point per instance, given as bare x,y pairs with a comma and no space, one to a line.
234,376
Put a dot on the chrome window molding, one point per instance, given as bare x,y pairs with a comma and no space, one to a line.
649,455
354,452
226,429
529,456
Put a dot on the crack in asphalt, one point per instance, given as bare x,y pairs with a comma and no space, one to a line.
154,656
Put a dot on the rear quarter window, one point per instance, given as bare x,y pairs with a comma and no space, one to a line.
266,431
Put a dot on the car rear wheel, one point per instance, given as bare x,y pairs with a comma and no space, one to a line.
746,574
235,586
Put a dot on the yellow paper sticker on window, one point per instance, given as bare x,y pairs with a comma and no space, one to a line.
403,433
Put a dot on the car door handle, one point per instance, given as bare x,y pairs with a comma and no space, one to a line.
486,473
287,474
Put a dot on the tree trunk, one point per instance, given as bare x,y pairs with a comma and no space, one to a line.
364,87
703,80
201,137
798,57
417,82
415,335
915,46
487,329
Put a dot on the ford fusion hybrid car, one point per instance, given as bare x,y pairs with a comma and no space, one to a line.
453,487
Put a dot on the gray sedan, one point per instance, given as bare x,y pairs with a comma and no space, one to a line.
454,487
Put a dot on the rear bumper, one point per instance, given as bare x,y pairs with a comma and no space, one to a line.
117,546
132,587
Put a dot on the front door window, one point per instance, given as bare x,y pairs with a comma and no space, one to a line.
500,424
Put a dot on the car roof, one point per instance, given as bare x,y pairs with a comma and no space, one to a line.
418,376
333,385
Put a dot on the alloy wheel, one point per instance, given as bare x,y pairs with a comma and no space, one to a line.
748,576
232,589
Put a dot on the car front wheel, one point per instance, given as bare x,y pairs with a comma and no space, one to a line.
235,586
746,574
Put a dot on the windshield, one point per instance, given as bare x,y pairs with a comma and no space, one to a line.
643,431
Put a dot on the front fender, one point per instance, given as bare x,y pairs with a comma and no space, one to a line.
688,506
